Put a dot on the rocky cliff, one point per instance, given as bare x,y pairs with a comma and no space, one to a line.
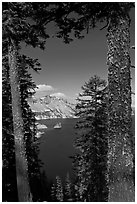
51,107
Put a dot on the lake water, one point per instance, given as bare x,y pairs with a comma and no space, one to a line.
56,145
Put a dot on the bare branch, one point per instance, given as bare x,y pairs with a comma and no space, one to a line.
105,25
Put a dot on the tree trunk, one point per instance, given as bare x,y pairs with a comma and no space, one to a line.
24,194
120,158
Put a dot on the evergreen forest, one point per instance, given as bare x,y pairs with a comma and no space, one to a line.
104,162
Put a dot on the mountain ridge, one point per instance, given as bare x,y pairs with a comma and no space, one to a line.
50,106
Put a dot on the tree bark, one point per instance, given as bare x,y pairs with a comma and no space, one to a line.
120,157
24,194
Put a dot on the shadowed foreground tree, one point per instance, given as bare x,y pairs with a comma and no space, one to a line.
29,129
19,25
120,155
27,88
14,30
9,186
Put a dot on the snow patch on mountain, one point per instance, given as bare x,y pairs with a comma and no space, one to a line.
52,106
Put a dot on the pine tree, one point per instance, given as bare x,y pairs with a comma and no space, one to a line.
59,189
120,162
24,63
116,16
68,189
13,31
91,160
133,138
9,187
29,129
16,28
117,19
53,193
27,87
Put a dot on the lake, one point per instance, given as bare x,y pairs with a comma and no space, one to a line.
56,145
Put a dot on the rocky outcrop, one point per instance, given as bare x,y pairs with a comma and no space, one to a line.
52,107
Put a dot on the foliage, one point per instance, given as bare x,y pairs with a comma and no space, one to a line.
59,189
18,27
115,17
57,193
26,22
68,189
63,192
90,161
26,87
53,193
9,188
82,16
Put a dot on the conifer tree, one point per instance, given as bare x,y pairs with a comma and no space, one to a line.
26,84
14,30
26,87
21,24
91,160
53,193
59,189
68,188
116,17
17,28
133,135
9,187
57,194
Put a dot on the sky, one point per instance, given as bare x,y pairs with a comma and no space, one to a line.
66,67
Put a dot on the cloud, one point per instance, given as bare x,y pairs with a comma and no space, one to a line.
43,90
61,95
44,87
